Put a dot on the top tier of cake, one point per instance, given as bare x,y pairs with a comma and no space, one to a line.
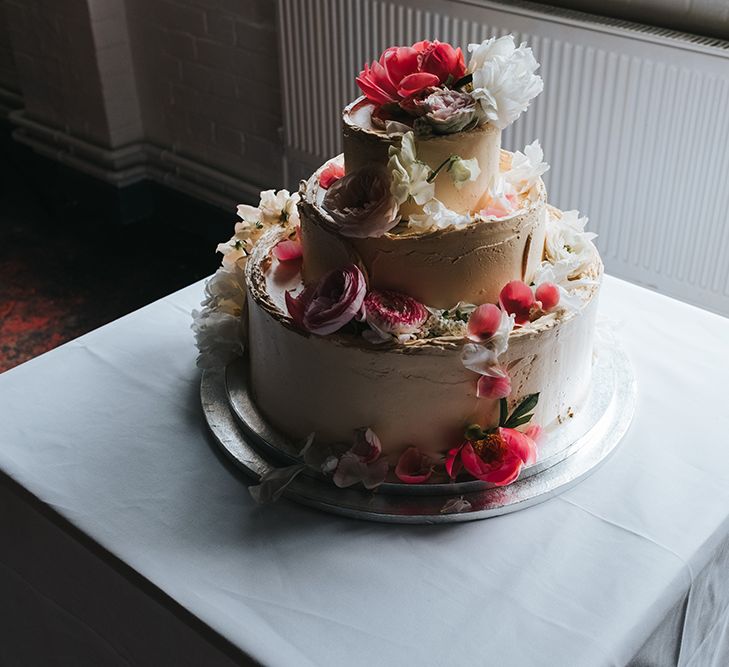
424,199
366,145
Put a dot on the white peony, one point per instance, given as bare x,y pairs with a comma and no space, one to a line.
568,246
462,171
504,79
437,216
409,175
278,207
526,170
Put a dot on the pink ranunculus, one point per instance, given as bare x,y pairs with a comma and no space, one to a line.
330,174
484,322
334,302
404,71
548,295
517,299
494,386
413,467
389,312
361,204
499,457
287,250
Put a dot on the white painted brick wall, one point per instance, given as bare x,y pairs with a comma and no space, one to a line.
208,78
8,72
196,78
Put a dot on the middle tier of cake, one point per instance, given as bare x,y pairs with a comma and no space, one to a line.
439,267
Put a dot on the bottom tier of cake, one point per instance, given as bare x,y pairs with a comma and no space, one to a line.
410,395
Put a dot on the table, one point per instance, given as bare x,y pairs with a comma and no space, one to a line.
125,538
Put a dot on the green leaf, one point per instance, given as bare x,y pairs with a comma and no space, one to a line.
503,411
515,423
528,404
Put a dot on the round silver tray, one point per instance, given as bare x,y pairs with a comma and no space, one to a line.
567,452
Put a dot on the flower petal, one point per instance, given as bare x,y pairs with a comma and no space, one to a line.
413,467
287,250
366,445
497,386
274,483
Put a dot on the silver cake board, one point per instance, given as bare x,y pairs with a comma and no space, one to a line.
567,453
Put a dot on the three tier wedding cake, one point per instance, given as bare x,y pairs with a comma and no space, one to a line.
417,312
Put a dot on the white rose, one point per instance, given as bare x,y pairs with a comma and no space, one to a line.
568,246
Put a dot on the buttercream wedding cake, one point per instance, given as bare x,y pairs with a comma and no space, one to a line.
417,312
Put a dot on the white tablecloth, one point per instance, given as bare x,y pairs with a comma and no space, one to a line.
630,565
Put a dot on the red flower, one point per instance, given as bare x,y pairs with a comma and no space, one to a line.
516,298
497,458
404,71
330,174
441,59
330,305
413,467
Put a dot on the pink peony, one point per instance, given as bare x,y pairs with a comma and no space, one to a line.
494,386
497,458
517,299
361,203
331,304
330,174
394,313
404,71
413,467
548,295
484,322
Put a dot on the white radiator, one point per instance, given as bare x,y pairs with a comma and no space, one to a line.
633,120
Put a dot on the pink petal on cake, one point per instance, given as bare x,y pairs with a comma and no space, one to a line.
330,174
413,467
548,295
484,322
366,445
534,432
498,386
285,251
296,305
516,298
375,473
350,470
453,462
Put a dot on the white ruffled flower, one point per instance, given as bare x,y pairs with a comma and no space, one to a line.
278,207
526,170
504,79
568,246
462,171
220,327
409,175
437,216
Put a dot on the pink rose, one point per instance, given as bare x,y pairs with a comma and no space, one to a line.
496,458
361,203
389,312
330,305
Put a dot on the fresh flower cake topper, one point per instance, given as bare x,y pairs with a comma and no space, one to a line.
428,87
